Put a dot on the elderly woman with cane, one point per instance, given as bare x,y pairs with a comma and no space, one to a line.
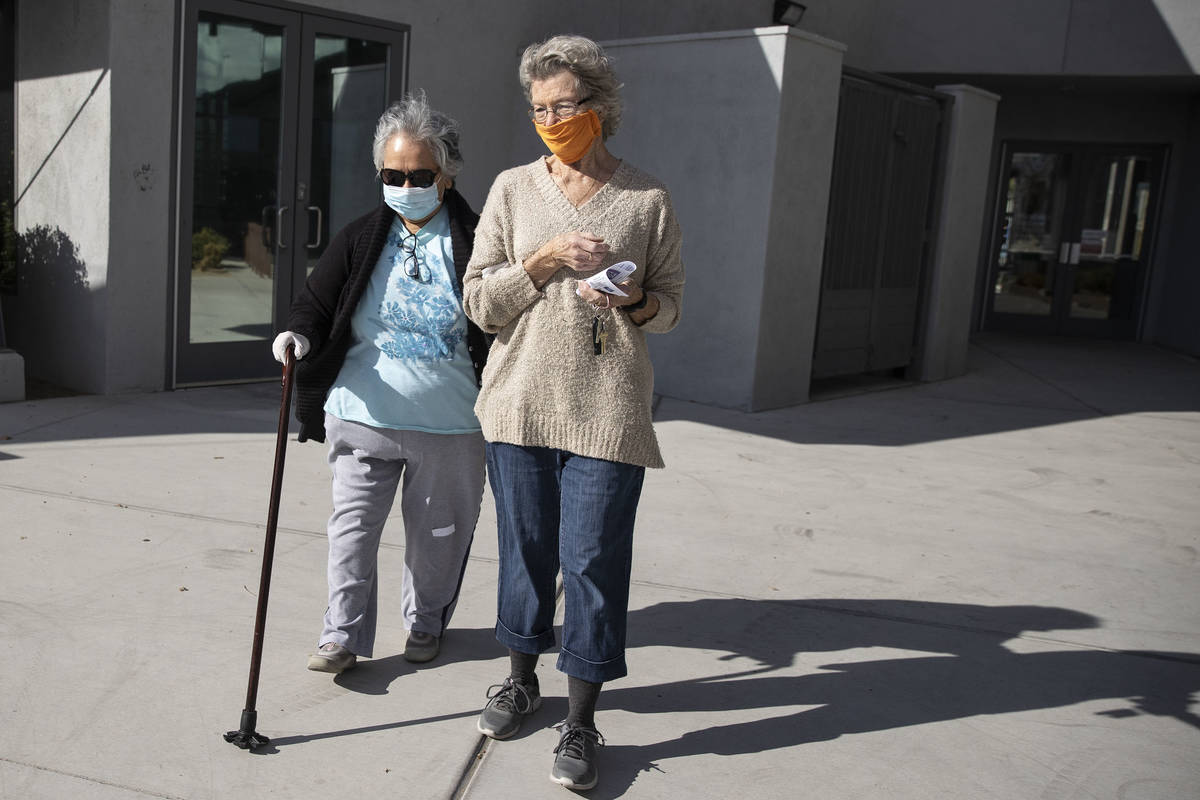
389,372
565,403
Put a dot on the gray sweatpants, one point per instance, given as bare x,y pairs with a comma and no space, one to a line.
440,498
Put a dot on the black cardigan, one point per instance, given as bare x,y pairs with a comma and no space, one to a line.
323,309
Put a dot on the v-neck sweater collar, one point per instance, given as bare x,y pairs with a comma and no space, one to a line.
595,204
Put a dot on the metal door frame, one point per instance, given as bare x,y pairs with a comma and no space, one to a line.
301,23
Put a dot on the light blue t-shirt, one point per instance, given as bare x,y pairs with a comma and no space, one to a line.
408,365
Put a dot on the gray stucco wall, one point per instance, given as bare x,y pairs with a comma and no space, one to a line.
1018,37
465,56
58,319
810,82
94,166
141,154
749,170
721,199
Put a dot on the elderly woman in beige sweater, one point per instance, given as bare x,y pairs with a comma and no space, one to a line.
565,403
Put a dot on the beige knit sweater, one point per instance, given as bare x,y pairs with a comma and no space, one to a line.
543,385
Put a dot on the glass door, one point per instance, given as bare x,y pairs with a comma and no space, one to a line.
1033,210
346,69
1107,262
278,109
1072,237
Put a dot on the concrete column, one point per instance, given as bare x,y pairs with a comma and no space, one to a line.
961,231
799,196
740,126
136,324
62,185
94,153
12,376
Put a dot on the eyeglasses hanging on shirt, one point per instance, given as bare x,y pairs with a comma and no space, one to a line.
414,261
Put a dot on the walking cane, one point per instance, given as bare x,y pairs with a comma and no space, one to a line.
246,737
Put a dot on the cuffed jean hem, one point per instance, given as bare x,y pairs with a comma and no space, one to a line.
592,671
532,645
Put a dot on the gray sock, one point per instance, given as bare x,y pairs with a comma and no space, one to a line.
581,702
522,666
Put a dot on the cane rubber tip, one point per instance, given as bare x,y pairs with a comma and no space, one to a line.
247,740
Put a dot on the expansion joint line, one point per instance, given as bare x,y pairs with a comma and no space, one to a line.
470,767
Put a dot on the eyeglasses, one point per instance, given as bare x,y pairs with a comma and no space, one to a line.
414,265
563,110
420,178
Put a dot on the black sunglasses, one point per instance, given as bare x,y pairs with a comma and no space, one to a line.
420,178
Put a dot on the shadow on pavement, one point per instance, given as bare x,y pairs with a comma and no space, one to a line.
374,676
1013,382
961,668
968,672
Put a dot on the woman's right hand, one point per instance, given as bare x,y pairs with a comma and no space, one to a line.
279,346
579,251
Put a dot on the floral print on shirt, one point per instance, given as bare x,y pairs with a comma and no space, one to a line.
422,320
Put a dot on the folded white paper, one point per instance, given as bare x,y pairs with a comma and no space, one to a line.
607,280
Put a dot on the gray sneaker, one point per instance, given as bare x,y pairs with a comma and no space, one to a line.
333,658
575,757
421,647
508,703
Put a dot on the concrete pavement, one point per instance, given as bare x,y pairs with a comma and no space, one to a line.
982,588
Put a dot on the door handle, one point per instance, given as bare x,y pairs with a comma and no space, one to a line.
1074,253
282,240
320,222
1064,252
266,227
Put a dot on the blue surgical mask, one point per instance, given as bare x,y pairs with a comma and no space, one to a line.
412,203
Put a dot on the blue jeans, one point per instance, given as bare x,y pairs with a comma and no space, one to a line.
557,510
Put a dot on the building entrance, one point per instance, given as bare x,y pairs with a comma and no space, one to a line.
278,109
1072,238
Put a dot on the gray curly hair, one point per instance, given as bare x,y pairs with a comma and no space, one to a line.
414,118
591,67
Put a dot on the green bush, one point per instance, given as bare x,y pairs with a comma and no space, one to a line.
8,250
208,248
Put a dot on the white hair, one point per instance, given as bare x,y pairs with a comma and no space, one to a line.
591,67
414,118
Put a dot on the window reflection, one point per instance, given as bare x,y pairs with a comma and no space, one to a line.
237,120
1117,199
1116,202
1030,234
349,94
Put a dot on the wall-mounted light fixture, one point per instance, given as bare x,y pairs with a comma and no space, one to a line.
788,12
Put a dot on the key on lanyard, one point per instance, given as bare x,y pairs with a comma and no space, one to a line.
599,336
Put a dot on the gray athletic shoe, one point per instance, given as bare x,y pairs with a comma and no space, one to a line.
421,647
575,757
333,658
508,703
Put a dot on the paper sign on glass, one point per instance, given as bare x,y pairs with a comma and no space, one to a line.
607,280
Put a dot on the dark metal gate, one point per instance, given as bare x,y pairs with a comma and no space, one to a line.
882,215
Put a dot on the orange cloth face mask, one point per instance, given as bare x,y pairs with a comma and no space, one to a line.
571,138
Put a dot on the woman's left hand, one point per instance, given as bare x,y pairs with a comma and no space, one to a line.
603,300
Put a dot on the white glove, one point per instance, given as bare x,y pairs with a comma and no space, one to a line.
279,346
